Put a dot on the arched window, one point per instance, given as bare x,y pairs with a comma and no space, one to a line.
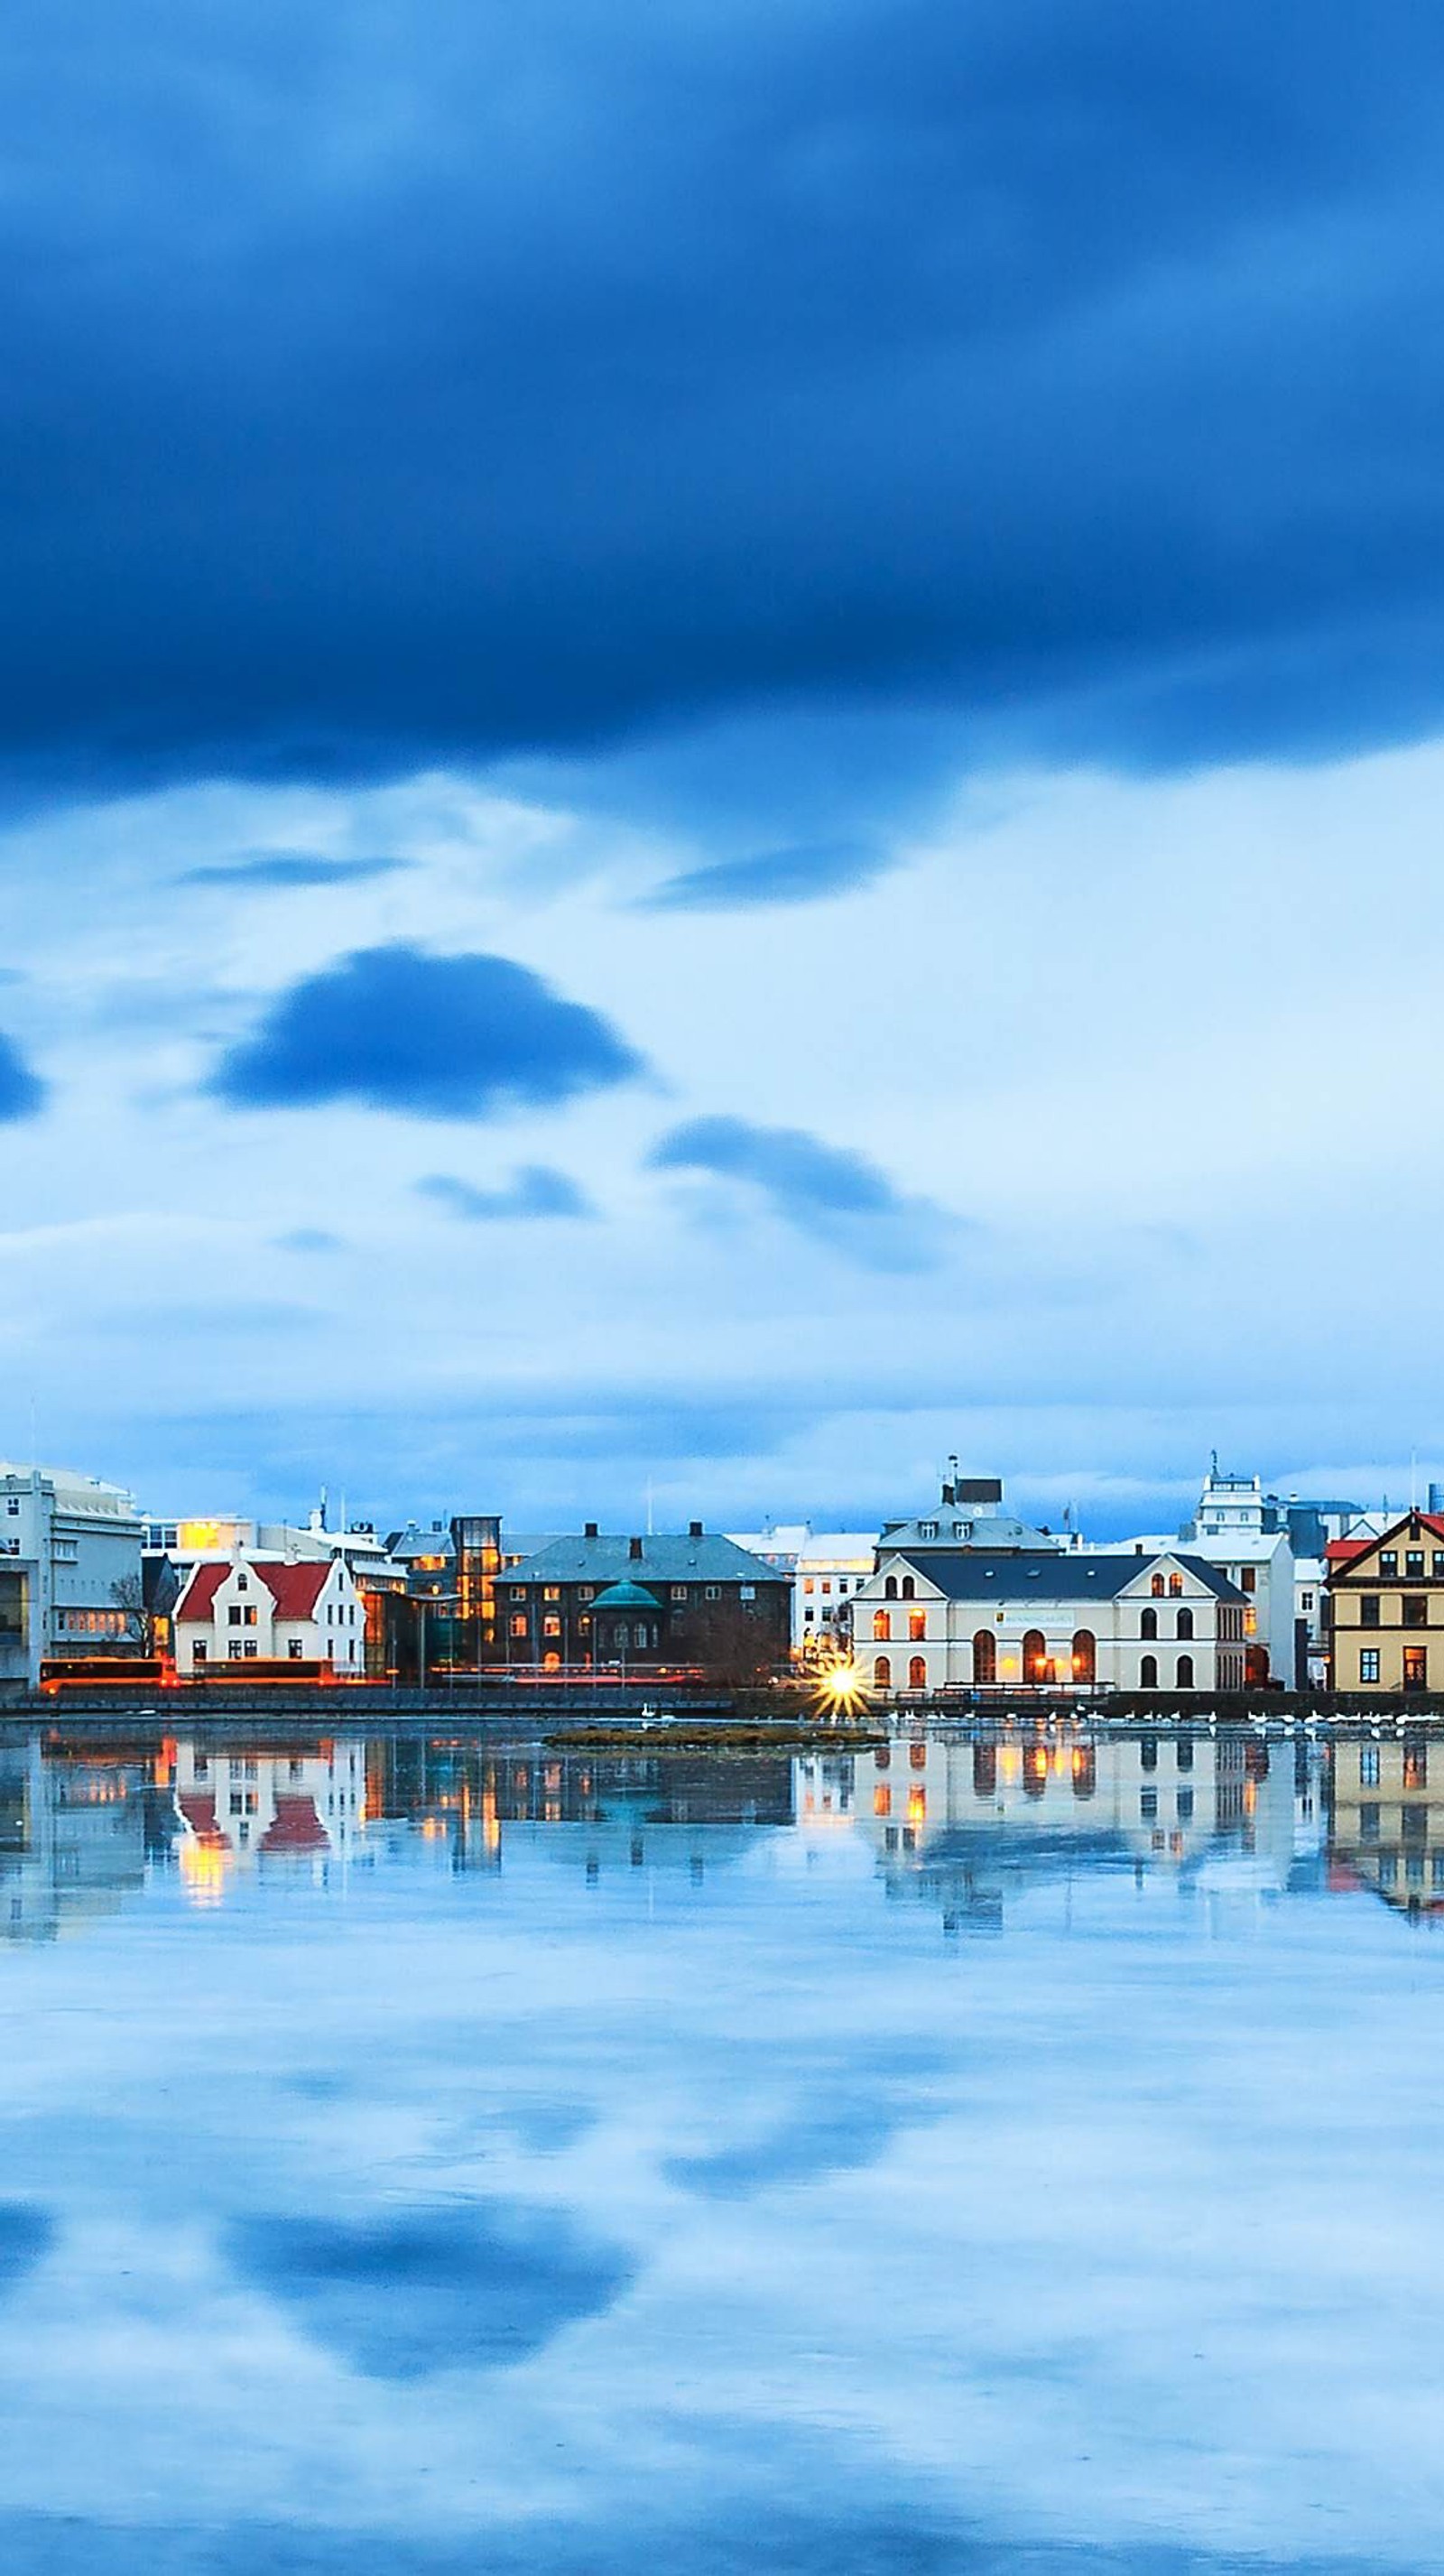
1148,1624
908,1587
1175,1585
1185,1672
917,1625
1158,1587
1185,1623
881,1627
881,1672
985,1658
1148,1673
1035,1656
918,1673
1085,1657
890,1588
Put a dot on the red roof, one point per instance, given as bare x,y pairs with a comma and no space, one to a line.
295,1827
295,1587
200,1814
1341,1551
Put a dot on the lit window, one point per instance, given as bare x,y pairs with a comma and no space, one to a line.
807,1583
882,1801
881,1627
551,1626
917,1624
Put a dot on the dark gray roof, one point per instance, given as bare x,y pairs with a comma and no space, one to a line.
666,1559
978,1574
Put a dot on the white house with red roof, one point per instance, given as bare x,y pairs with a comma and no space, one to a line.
269,1609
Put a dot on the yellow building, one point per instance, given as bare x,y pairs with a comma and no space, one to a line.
1386,1609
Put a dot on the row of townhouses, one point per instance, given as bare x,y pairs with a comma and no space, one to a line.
1253,1591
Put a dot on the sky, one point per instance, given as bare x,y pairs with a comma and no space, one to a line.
721,736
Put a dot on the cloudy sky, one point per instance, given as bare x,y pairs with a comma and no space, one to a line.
722,743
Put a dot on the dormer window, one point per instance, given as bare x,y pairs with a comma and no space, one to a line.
927,1529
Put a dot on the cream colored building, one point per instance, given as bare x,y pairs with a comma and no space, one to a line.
1386,1609
1386,1816
977,1619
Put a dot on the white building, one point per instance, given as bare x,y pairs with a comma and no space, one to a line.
1037,1619
266,1609
1243,1532
825,1568
302,1808
68,1546
969,1513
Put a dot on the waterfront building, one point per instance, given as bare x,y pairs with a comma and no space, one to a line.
1386,1607
637,1604
267,1610
174,1548
824,1569
1242,1532
70,1569
942,1619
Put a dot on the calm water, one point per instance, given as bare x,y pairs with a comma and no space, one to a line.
428,2158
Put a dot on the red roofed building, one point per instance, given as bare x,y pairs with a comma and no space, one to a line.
1386,1609
270,1609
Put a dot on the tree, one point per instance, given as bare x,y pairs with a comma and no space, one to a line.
128,1594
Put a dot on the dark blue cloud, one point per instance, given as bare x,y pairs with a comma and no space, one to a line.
289,868
825,1190
435,1037
536,1190
22,1093
800,875
452,380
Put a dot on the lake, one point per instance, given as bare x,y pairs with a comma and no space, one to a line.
977,2154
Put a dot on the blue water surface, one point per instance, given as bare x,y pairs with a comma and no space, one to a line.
973,2154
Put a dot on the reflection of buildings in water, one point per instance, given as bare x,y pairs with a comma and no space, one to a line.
945,1808
600,1811
74,1833
238,1806
1386,1818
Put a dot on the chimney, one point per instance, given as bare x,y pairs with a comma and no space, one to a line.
634,1550
591,1530
694,1529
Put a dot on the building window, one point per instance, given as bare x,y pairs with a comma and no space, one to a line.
1413,1565
1306,1601
909,1588
1416,1610
251,1614
1368,1663
1439,1564
199,1651
882,1672
882,1801
1368,1766
679,1593
1369,1610
1148,1673
588,1591
1158,1587
1184,1625
917,1624
1175,1585
234,1614
1416,1668
918,1673
1416,1766
1148,1624
889,1589
234,1650
295,1648
807,1586
1248,1578
551,1625
250,1650
985,1658
1035,1656
518,1625
1085,1657
551,1592
1185,1672
881,1627
927,1529
712,1592
1389,1563
518,1592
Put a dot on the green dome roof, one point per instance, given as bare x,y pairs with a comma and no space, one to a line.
626,1596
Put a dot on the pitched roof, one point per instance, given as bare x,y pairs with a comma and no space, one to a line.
294,1586
668,1559
295,1827
1045,1574
1341,1551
